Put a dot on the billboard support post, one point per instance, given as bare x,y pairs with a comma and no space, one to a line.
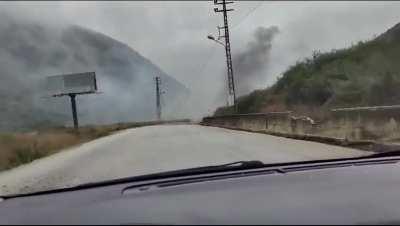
158,97
74,114
72,85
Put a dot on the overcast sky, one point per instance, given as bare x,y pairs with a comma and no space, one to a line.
173,34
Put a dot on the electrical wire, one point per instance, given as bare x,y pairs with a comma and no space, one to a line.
207,62
248,14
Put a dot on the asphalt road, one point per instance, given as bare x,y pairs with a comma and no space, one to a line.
159,148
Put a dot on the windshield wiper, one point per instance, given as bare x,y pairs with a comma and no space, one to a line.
240,165
384,154
234,166
229,166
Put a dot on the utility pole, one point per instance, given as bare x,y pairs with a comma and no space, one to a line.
158,97
231,80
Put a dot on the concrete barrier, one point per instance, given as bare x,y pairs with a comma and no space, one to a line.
377,123
366,125
273,121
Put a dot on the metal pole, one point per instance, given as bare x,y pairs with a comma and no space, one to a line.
158,99
231,80
74,114
228,54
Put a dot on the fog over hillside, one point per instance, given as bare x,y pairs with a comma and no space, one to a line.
30,50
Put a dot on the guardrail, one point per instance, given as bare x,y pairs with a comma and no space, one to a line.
272,121
250,115
368,108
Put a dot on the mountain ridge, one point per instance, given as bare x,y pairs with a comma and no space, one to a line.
30,51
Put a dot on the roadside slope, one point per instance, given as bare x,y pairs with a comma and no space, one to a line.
364,74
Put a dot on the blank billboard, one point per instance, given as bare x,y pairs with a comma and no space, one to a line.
81,83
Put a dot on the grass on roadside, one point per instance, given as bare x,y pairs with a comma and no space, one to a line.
21,148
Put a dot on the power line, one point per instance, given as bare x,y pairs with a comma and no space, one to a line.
248,14
207,62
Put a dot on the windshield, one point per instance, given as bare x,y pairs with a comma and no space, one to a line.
96,91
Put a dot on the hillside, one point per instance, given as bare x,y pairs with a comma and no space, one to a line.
30,51
364,74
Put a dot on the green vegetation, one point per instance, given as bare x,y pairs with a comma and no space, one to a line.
364,74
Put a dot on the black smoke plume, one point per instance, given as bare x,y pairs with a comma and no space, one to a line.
250,63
